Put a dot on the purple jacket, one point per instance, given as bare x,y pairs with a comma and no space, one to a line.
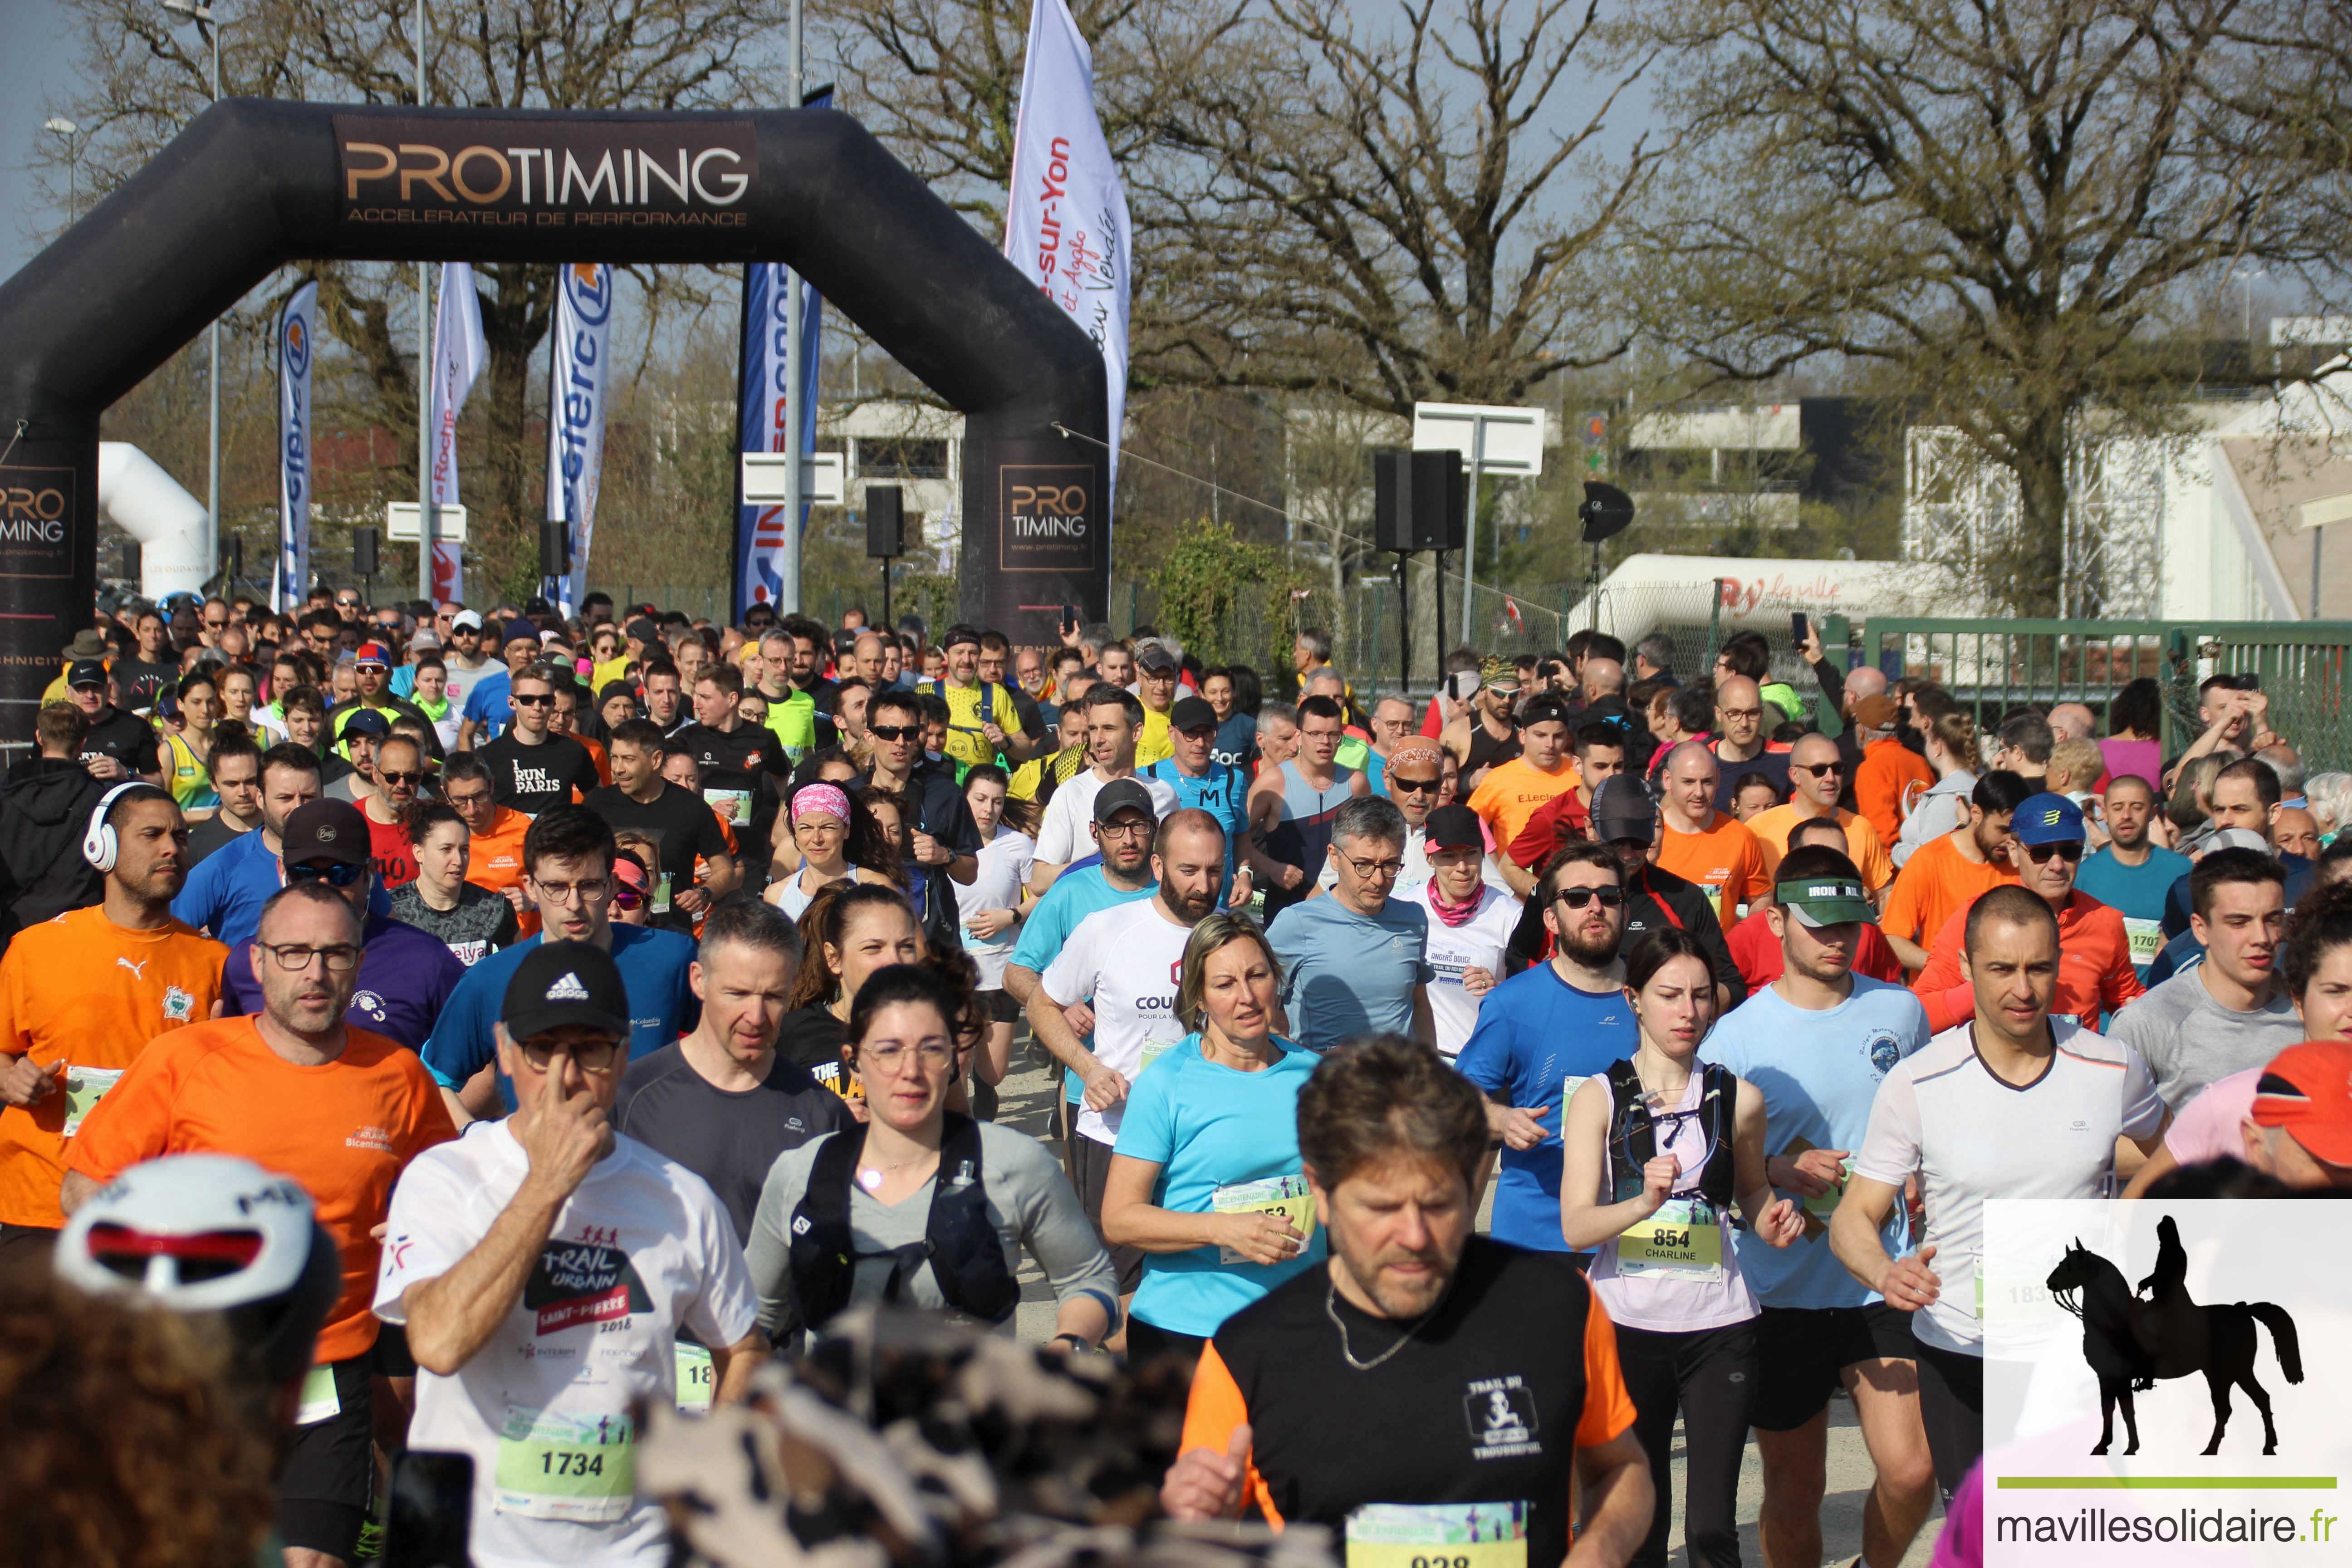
405,976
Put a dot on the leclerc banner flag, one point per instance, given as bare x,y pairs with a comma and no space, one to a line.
297,326
764,402
575,415
459,351
1066,221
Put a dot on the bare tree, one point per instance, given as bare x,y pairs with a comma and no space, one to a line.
146,72
2006,204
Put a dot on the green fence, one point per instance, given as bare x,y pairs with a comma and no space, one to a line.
1998,665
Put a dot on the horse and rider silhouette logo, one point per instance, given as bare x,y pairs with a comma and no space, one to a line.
2132,1343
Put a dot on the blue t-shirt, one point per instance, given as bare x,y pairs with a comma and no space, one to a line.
1075,895
1235,738
1344,973
405,977
224,893
488,704
1207,1126
1222,792
2136,893
1819,1072
1534,1031
653,966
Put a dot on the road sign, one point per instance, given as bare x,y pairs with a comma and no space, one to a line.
821,479
400,522
1596,429
1514,437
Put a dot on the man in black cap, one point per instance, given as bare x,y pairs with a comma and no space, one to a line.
1204,784
120,745
348,770
548,1246
983,720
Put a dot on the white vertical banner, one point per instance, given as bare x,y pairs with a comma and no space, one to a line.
459,353
1066,221
297,331
575,415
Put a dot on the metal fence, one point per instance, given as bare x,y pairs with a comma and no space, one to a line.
1995,665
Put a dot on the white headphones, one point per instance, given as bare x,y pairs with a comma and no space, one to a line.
99,845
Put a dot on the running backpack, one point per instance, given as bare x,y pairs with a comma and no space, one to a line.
1633,1137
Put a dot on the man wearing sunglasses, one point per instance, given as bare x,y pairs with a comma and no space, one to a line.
298,1090
2094,968
399,775
405,975
1816,780
372,675
1545,1030
533,768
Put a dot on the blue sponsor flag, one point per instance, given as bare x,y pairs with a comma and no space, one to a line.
764,402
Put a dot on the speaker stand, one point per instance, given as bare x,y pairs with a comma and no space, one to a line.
1404,627
886,619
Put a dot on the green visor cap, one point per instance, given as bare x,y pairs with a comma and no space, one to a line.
1826,900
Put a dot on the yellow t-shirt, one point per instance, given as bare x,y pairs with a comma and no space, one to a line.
1154,741
605,674
966,709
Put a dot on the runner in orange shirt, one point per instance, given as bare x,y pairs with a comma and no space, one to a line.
495,841
1889,770
1815,775
1945,875
1704,846
342,1112
80,996
1513,792
2095,967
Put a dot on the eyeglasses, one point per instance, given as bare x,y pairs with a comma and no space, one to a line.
468,801
2040,853
295,958
1388,870
533,699
1125,829
1576,897
1819,770
593,1056
390,777
1398,781
1741,713
929,1053
334,876
589,891
894,732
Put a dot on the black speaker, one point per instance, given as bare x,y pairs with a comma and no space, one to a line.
131,558
885,521
1420,500
555,549
363,543
1606,511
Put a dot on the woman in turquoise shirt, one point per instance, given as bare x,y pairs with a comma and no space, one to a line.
1206,1177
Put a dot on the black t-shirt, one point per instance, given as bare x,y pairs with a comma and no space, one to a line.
727,1137
138,682
938,809
127,738
729,759
532,778
681,828
1652,899
813,1038
1772,764
1485,1403
213,833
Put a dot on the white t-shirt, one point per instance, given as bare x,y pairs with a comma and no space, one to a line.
1004,871
1970,1136
1062,837
1478,943
1128,961
640,1250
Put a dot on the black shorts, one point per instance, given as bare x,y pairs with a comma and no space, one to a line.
327,1482
38,1240
1802,1350
1001,1008
389,1357
1089,1170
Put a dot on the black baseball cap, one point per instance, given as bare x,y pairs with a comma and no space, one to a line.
1454,827
565,984
330,830
1622,809
87,672
1191,713
1123,795
367,721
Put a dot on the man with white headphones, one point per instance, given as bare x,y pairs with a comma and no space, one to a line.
81,995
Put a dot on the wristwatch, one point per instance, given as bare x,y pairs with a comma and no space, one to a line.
1076,1342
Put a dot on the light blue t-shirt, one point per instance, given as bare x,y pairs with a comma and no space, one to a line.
1222,792
1344,973
2136,893
1207,1126
653,966
1819,1073
488,704
1076,894
1536,1031
224,893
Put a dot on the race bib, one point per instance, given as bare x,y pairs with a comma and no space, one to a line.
661,895
1153,1050
1284,1196
552,1466
1827,1203
2146,939
696,1378
1438,1535
1684,1239
85,1086
320,1400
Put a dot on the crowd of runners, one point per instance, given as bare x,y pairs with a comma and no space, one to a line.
510,1019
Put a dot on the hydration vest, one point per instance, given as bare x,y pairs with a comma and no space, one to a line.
959,1242
1633,1140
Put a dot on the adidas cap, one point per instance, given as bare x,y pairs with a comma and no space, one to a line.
565,984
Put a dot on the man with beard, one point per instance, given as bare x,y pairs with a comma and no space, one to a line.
1947,872
1431,1325
1126,964
399,774
225,895
1545,1030
2133,874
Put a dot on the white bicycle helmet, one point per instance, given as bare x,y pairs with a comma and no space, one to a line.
211,1233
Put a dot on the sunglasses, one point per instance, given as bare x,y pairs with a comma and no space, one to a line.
1576,897
1819,770
2040,853
894,732
1398,781
391,777
626,896
541,700
334,876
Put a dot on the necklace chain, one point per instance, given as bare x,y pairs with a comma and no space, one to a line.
1331,1311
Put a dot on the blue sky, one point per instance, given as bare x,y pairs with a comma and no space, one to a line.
35,57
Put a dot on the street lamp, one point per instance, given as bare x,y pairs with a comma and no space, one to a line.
58,125
202,16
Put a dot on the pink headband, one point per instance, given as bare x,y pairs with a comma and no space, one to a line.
822,797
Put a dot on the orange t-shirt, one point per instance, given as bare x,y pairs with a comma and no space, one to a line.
83,990
494,860
1886,774
2095,967
1513,792
1934,885
345,1130
1726,862
1862,845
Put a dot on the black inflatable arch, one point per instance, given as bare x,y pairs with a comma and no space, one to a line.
252,183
